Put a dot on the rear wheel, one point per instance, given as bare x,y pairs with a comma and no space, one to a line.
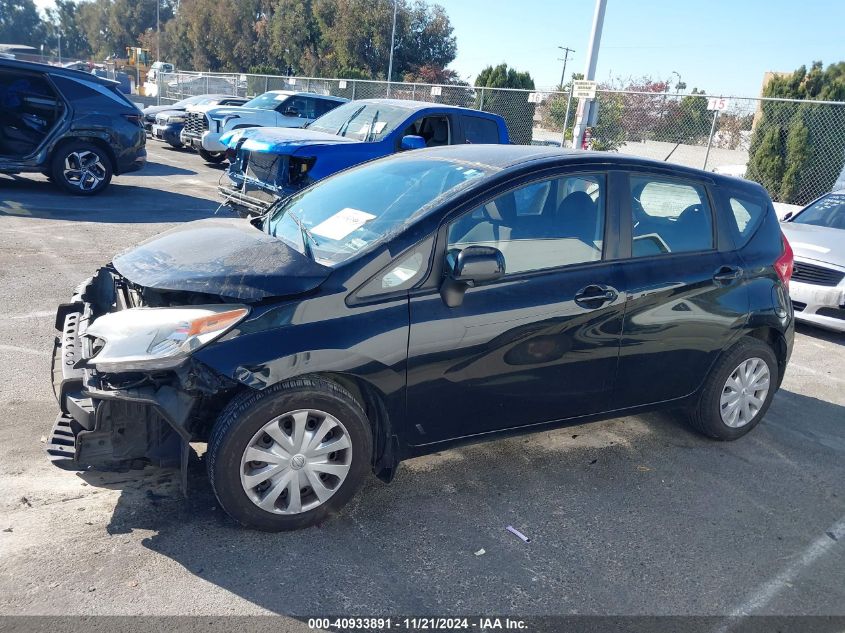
81,168
290,456
212,157
738,392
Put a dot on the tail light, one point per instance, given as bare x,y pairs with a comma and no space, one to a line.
785,263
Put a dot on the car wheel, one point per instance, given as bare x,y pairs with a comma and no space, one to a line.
81,168
738,391
290,456
176,145
212,157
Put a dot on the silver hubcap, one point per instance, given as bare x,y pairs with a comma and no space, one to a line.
744,392
84,170
296,462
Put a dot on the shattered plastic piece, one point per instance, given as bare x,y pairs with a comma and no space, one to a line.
517,533
480,552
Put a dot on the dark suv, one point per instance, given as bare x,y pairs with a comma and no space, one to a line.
430,298
77,129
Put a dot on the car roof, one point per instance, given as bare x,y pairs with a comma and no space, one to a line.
293,93
16,64
409,104
508,156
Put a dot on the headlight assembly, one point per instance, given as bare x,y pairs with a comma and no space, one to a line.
157,338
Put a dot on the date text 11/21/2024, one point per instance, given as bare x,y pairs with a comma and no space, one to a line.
417,624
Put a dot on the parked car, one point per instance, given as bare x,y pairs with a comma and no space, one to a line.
159,67
170,122
513,288
150,112
817,234
278,108
77,129
272,163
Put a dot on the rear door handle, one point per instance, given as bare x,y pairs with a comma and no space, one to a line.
727,274
595,296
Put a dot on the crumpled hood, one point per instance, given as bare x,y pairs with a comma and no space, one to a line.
821,243
281,140
225,256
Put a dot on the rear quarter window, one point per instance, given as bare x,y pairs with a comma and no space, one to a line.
480,130
747,212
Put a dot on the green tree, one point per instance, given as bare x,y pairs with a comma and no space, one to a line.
798,149
512,106
64,18
20,23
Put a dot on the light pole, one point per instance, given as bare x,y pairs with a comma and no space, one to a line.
158,32
566,52
585,106
392,40
60,48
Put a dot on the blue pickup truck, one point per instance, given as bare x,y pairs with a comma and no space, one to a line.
270,163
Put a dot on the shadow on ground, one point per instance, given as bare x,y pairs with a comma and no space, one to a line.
612,500
819,333
120,203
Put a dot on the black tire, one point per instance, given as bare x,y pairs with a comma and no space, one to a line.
249,412
212,157
705,416
101,170
176,145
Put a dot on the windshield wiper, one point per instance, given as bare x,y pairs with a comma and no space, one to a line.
372,126
343,128
307,237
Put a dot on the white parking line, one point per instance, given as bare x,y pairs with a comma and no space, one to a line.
768,591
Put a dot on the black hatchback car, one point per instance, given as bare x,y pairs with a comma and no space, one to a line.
435,297
77,129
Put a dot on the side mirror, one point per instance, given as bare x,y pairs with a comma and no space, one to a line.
291,112
467,267
412,142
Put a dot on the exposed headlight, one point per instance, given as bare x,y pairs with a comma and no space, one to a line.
158,338
177,118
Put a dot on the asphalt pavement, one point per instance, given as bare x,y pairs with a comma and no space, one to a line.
636,515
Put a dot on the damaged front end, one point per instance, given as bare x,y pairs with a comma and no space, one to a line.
119,410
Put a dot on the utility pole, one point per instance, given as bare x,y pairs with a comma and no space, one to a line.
158,32
60,47
566,52
587,106
392,40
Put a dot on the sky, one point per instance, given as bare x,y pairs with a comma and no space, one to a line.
722,46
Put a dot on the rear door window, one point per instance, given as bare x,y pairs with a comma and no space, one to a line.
669,216
480,130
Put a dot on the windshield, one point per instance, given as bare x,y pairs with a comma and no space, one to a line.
340,216
267,101
361,121
828,211
190,101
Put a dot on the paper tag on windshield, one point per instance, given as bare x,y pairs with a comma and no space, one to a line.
379,126
342,223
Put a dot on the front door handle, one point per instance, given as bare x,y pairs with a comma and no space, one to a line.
595,296
727,274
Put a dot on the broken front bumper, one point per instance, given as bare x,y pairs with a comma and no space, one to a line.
99,425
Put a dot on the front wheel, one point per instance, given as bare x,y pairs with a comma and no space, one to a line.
290,456
212,157
81,168
738,392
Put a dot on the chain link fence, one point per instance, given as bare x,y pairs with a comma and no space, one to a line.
796,149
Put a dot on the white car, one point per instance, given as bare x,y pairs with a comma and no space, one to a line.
817,236
204,125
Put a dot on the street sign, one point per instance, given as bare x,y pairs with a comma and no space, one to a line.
436,91
583,89
718,104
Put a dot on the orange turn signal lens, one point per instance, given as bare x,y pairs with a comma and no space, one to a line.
216,322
